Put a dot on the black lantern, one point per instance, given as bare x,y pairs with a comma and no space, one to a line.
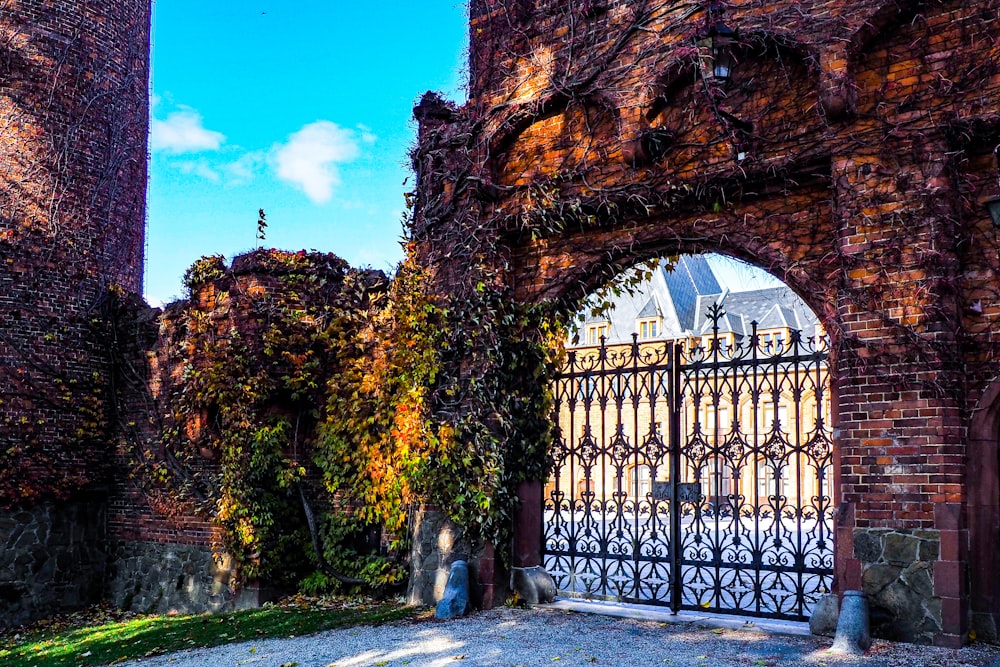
993,206
719,39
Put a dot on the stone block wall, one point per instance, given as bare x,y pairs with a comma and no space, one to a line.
897,574
53,558
150,577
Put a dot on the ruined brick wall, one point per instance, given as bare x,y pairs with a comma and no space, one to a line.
73,125
848,155
223,306
165,549
247,321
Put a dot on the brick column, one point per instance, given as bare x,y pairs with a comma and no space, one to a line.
902,447
528,525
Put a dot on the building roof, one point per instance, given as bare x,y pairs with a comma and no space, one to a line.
682,295
770,308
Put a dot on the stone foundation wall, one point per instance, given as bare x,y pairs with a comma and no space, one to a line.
151,577
984,625
436,544
53,559
897,574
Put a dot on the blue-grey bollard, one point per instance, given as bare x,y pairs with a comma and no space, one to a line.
853,631
456,594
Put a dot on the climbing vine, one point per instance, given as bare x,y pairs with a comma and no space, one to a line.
314,405
417,431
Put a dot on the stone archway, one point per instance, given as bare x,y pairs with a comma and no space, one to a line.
597,137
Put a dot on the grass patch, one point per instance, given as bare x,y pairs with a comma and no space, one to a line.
91,639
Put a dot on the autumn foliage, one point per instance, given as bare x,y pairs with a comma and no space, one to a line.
305,407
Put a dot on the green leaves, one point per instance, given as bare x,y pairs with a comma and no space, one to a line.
300,374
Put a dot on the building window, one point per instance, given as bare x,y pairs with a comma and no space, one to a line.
709,423
655,434
648,328
622,386
641,482
595,332
772,339
767,422
717,483
723,343
771,482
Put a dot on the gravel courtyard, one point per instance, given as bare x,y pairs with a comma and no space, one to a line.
531,638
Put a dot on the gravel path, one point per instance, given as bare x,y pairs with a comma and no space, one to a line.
530,638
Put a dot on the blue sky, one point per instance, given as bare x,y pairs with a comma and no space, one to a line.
300,107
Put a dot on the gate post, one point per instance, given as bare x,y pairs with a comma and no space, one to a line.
528,579
528,526
984,514
674,403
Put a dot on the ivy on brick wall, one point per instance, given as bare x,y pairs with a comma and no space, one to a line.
241,385
39,462
307,407
72,184
453,408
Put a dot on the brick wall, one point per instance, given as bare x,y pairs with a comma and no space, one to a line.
73,124
848,155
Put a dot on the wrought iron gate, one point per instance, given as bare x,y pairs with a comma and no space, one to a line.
694,476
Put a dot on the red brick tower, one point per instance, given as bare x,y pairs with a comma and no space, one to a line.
73,124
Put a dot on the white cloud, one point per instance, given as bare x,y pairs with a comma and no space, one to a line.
367,135
243,170
310,157
183,132
199,168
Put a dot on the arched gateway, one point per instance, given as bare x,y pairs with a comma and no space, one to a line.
845,147
692,455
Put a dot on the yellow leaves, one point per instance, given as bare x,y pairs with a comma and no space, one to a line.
246,532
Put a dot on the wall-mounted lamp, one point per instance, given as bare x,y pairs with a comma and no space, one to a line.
992,204
718,39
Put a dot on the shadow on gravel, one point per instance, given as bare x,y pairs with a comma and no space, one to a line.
537,637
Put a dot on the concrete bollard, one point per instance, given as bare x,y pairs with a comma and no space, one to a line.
853,630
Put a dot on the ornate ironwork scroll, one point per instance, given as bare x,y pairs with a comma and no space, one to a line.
694,475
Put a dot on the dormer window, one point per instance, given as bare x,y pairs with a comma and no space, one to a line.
597,331
773,340
648,327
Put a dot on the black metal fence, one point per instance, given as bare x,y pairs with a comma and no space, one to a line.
694,475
